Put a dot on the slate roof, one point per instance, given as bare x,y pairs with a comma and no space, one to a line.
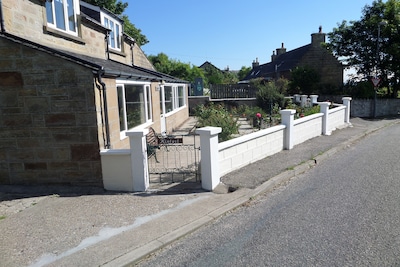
110,68
208,64
284,62
119,70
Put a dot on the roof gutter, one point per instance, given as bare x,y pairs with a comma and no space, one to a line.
3,29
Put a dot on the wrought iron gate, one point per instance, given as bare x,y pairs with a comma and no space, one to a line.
176,160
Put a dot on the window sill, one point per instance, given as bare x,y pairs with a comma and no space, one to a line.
57,33
174,111
116,52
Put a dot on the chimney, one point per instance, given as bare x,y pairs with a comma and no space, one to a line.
255,63
318,38
273,56
280,51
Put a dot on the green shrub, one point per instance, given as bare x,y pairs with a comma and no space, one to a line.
217,116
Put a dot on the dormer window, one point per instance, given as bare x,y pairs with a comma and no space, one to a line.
61,15
114,39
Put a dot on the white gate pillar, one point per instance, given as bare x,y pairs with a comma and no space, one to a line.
314,99
346,102
296,98
140,170
303,102
209,157
324,108
287,116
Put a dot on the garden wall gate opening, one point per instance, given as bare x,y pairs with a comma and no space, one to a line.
176,160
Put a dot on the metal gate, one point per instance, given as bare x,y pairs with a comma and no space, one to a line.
176,160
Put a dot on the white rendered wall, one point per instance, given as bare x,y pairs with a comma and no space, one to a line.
336,117
307,128
241,151
117,171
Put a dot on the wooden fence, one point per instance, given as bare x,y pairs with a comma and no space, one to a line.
232,91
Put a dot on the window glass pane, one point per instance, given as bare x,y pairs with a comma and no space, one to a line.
118,37
148,96
161,101
168,98
112,34
49,12
71,16
135,105
181,96
121,108
60,16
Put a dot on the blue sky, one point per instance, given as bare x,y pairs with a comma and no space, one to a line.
236,32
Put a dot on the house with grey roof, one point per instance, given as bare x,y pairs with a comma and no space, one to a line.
313,55
72,83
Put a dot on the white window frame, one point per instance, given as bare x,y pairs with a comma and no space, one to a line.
175,96
116,31
147,105
53,23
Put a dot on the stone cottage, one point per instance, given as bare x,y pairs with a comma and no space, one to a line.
70,86
313,55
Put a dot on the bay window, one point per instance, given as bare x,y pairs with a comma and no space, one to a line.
134,104
174,97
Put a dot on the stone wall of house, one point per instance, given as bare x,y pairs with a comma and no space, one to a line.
48,119
326,64
27,19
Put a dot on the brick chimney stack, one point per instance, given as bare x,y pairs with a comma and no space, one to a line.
255,63
318,38
273,56
280,51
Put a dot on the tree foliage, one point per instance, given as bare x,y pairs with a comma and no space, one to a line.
117,7
175,68
270,93
189,72
304,80
371,44
243,72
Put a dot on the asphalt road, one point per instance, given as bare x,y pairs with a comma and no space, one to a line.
343,212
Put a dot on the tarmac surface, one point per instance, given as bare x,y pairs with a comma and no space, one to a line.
81,226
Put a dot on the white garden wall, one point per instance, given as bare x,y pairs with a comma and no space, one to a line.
243,150
307,128
127,170
336,117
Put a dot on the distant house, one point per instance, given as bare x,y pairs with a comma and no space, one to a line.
209,67
313,55
71,84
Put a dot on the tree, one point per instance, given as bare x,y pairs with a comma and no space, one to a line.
243,72
304,80
176,68
269,94
117,7
370,45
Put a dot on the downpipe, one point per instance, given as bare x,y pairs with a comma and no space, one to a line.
2,27
101,86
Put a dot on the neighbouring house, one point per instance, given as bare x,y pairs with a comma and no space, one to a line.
313,55
209,67
71,84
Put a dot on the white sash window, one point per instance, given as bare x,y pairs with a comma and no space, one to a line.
114,39
61,15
